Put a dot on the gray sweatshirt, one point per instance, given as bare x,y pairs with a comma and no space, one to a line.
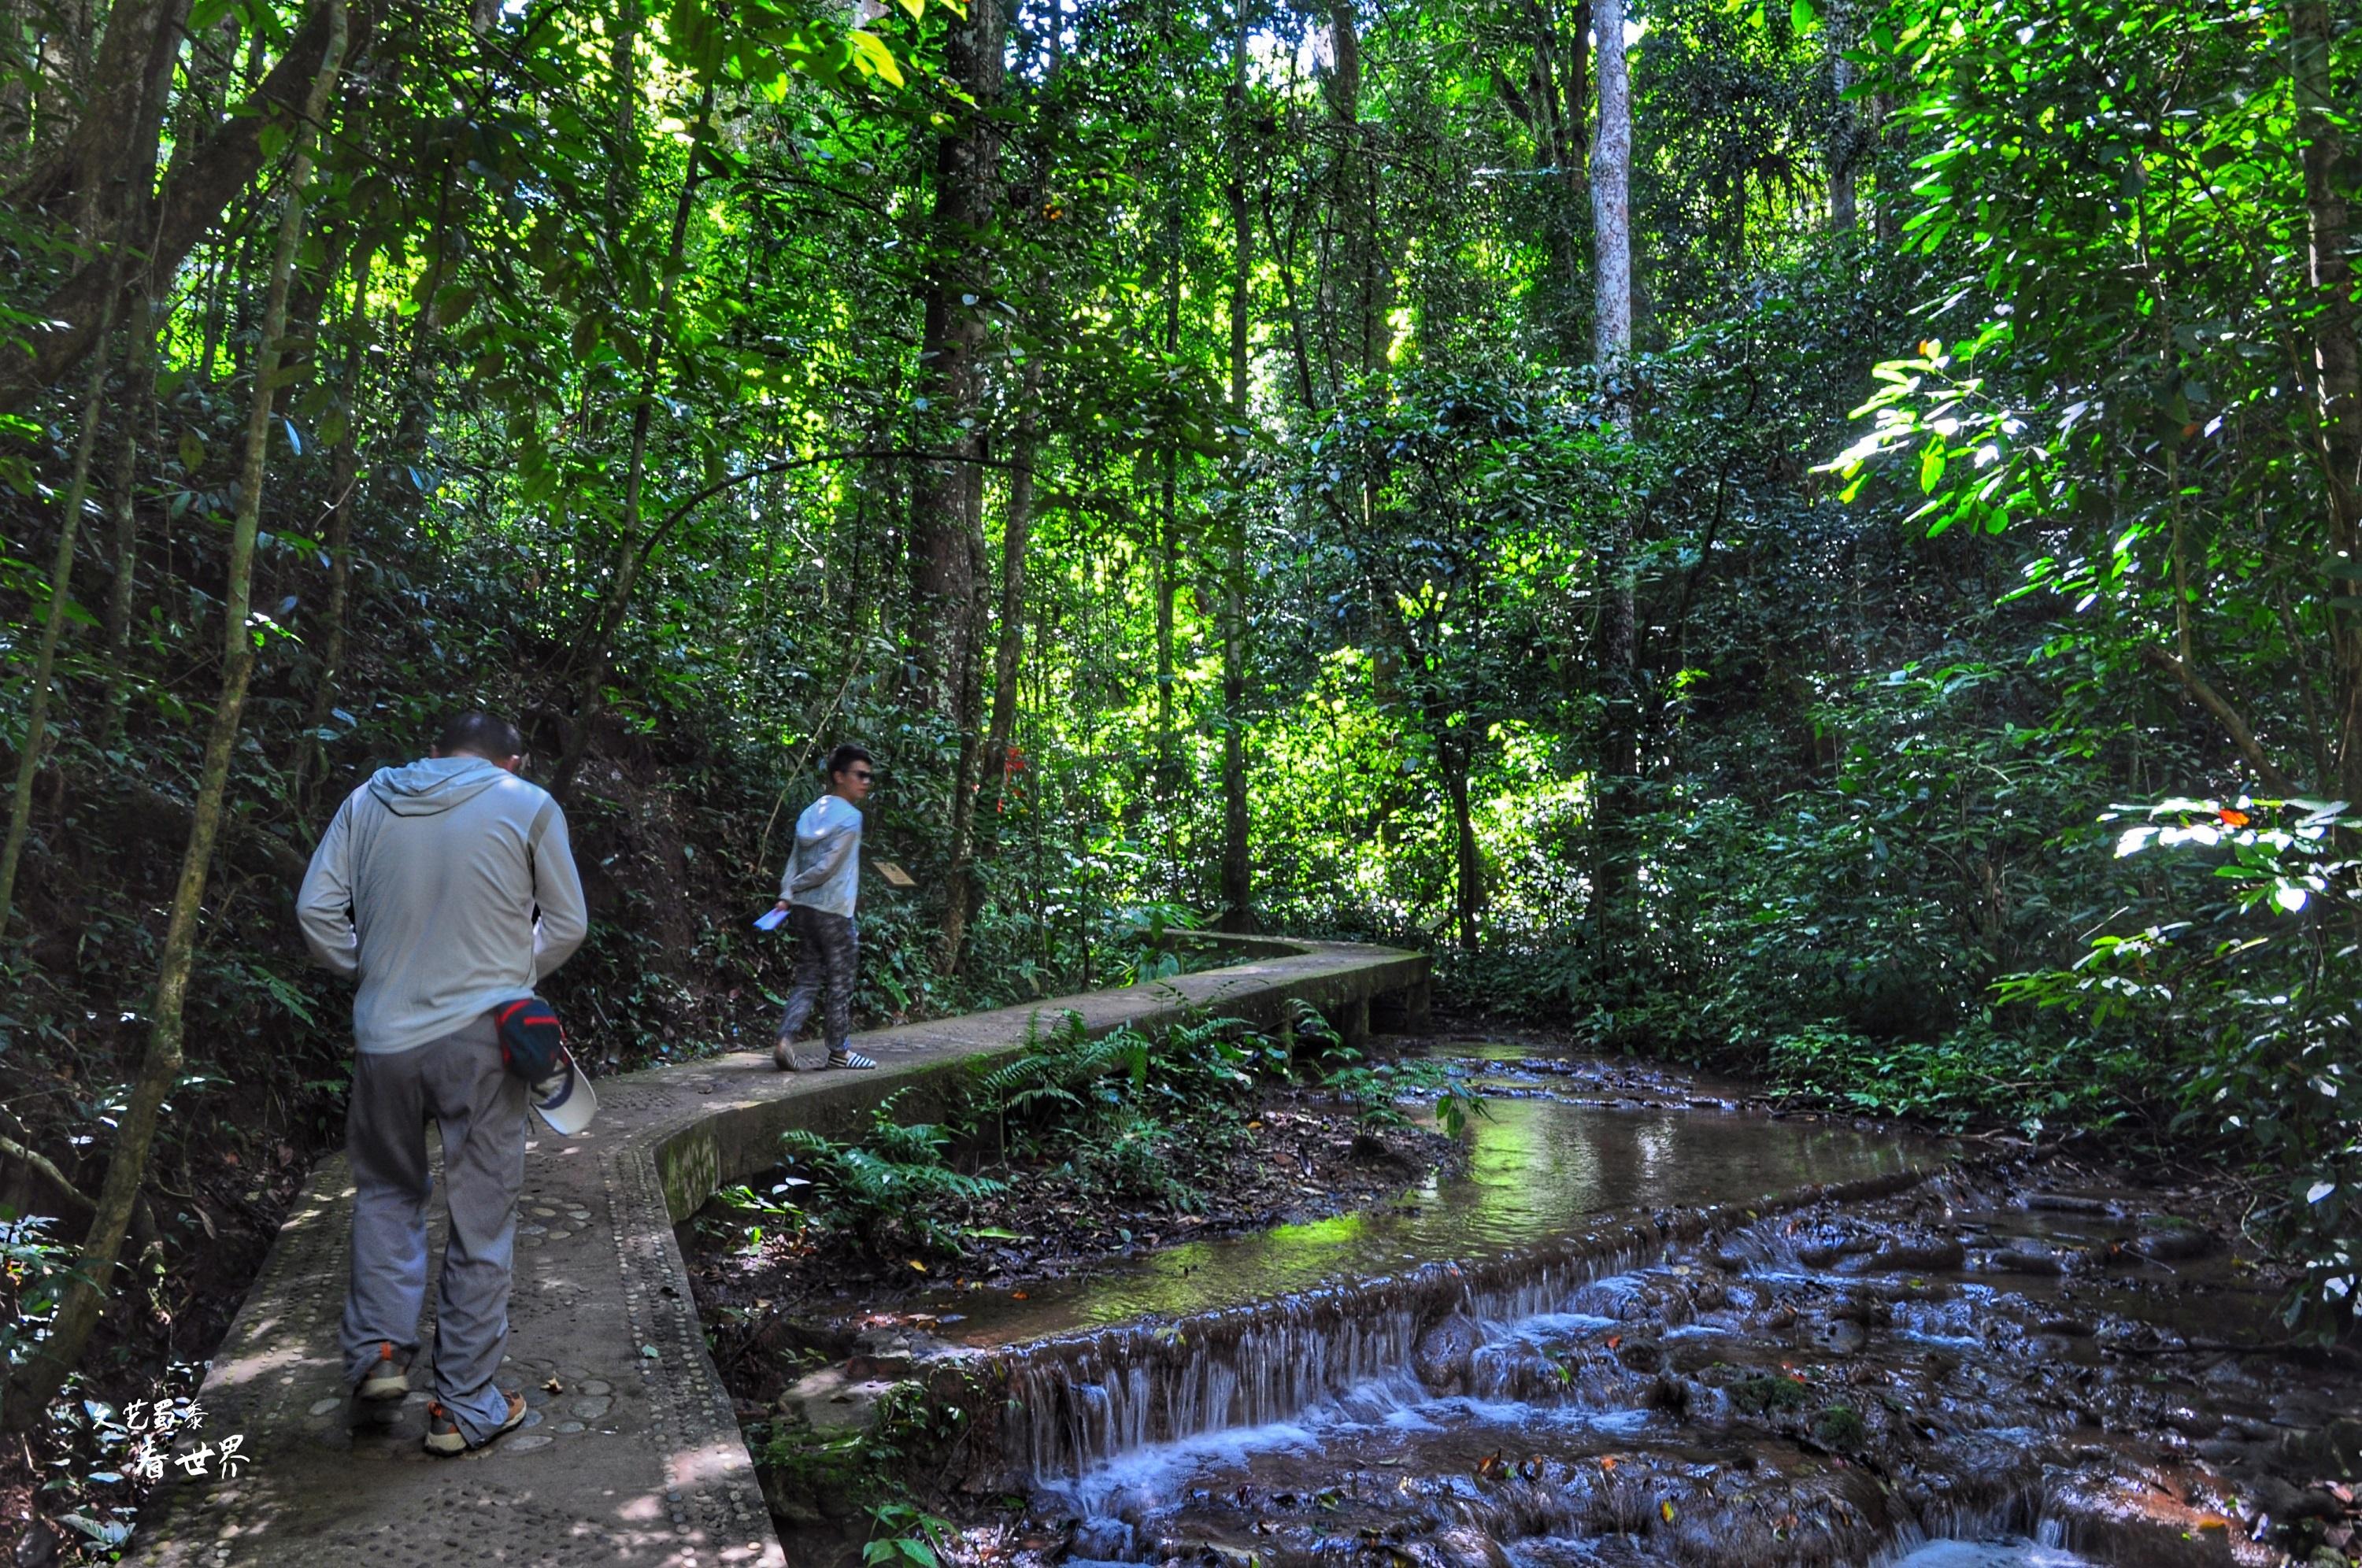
425,887
825,869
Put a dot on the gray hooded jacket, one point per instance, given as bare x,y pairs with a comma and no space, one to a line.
425,887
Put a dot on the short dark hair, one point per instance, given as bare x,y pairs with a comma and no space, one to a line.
479,735
846,756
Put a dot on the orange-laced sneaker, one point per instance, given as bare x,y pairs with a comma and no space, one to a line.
386,1378
445,1439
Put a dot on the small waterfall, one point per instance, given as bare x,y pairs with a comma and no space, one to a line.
1080,1400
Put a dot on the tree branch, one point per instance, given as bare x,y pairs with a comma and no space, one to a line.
198,188
674,518
2267,771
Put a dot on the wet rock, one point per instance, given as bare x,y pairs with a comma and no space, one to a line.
1841,1336
1445,1352
1669,1394
2068,1203
1868,1310
37,1546
2178,1242
1639,1354
1465,1549
2031,1260
2287,1504
1921,1254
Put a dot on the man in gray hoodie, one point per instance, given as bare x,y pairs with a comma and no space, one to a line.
425,888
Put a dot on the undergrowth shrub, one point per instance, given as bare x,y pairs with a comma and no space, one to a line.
882,1192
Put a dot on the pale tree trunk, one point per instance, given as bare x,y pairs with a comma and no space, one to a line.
1168,545
159,1069
1238,866
2337,363
1618,762
1611,195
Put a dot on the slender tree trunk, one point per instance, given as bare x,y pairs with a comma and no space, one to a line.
159,1069
345,470
1618,762
1468,865
1845,131
632,550
45,659
1611,195
1238,866
1007,657
1168,545
138,405
16,91
205,178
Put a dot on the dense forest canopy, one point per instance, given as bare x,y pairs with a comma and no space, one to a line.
1820,537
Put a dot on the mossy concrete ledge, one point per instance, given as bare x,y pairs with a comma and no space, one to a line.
1343,982
631,1453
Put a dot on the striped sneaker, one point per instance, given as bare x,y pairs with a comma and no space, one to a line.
387,1380
445,1440
845,1057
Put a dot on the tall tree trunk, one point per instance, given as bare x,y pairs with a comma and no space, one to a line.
1845,129
1618,762
16,87
1611,196
1238,866
159,1069
344,473
633,548
2337,364
1168,548
991,774
139,406
1468,865
45,658
945,530
204,178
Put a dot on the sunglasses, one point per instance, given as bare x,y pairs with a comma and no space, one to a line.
864,775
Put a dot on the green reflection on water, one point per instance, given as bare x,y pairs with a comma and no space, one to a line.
1538,1169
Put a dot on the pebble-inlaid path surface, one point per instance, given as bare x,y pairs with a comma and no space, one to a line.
631,1453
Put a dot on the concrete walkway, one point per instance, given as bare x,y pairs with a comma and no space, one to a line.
632,1454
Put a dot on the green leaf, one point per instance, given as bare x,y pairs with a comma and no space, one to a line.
1931,466
871,54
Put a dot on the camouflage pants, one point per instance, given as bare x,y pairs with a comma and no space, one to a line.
827,947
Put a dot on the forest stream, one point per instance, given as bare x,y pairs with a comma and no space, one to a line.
1648,1323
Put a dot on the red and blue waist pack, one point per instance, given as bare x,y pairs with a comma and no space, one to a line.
533,1043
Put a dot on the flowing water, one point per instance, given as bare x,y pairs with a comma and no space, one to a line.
1632,1333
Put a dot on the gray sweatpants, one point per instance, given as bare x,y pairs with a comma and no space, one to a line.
459,1080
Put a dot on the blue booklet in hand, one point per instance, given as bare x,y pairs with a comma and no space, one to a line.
770,921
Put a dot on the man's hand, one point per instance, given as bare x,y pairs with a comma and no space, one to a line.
780,905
